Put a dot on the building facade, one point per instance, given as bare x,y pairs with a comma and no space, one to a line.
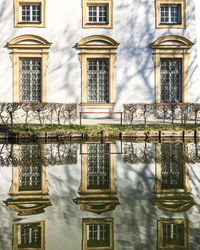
99,53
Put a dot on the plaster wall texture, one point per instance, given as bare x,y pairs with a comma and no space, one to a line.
134,29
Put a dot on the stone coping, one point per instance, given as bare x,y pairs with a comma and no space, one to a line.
80,135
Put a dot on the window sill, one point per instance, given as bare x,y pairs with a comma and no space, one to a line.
97,26
170,26
98,105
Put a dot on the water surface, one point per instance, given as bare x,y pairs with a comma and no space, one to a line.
92,195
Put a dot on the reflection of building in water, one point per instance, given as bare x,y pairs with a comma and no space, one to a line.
29,190
172,234
172,185
98,234
29,236
97,190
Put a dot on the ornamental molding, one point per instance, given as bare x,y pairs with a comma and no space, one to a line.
97,41
175,42
28,41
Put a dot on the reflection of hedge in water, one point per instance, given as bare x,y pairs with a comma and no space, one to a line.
138,153
38,154
60,154
169,153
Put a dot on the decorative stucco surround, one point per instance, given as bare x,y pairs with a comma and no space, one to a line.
19,24
184,233
29,46
86,24
181,25
97,47
171,47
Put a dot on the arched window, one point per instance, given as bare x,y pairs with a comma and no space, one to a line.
171,57
97,57
29,57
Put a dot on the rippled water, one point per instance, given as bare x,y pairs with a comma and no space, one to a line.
93,196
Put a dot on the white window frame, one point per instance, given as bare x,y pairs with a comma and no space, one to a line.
86,24
31,13
97,16
170,16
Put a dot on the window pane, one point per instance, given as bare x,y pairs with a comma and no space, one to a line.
98,166
98,235
30,80
30,236
97,80
170,13
172,165
97,14
31,13
173,234
170,77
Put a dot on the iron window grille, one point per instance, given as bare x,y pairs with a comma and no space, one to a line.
98,166
171,80
30,80
171,165
29,178
98,80
170,14
98,14
98,235
30,171
31,13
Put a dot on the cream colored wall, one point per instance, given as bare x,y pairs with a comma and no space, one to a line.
134,29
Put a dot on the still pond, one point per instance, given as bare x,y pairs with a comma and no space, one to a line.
94,195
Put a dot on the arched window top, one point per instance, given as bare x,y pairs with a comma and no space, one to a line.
171,42
31,40
97,41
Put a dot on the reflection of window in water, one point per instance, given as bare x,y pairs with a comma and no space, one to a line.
173,233
29,178
30,167
98,235
172,165
30,236
98,166
30,153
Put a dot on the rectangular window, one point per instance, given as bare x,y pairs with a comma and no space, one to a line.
98,80
171,80
173,234
30,236
31,13
97,14
29,178
30,80
170,14
172,165
98,166
98,235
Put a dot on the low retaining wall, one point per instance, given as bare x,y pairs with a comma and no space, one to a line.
79,135
42,135
161,134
